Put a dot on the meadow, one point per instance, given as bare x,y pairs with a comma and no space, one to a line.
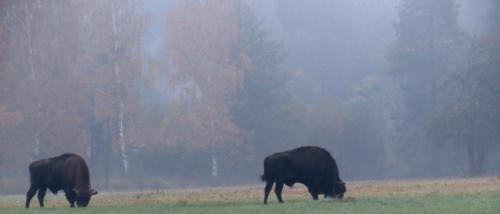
478,195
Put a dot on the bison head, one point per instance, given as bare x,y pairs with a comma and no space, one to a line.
339,189
83,196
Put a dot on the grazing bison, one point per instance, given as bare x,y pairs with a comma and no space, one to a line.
312,166
67,172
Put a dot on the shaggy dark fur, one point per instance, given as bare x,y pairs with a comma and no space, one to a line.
312,166
67,172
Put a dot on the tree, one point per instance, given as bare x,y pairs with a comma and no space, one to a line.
42,53
200,40
9,120
39,69
427,34
263,108
70,80
113,64
60,61
494,16
469,116
28,9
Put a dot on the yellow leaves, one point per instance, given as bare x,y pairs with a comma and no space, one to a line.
201,39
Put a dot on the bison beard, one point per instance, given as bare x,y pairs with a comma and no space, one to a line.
67,172
312,166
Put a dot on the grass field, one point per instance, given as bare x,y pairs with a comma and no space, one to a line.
480,195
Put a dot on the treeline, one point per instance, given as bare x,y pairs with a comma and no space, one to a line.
75,77
448,87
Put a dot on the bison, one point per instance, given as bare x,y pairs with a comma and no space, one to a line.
67,172
310,165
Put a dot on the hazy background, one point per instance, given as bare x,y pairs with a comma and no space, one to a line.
160,94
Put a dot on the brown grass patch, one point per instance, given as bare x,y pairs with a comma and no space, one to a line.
349,199
361,189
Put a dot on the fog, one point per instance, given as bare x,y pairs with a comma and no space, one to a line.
168,94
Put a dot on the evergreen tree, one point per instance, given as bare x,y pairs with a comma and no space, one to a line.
264,107
427,34
494,19
469,115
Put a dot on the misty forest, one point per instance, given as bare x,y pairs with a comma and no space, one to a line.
160,94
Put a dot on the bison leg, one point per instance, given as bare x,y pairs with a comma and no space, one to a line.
315,196
71,197
269,186
313,193
278,189
31,192
41,195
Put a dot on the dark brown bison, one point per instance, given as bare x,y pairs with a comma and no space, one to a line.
67,172
312,166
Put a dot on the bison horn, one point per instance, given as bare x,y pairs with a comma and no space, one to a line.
93,192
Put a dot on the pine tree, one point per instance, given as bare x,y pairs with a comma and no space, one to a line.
494,17
264,106
427,35
469,115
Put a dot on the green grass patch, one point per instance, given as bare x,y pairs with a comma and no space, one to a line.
485,202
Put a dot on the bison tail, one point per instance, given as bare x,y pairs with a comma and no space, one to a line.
265,175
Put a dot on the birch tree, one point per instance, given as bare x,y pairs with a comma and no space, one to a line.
125,56
116,29
34,76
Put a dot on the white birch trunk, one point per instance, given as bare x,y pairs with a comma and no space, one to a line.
121,141
123,145
35,82
213,153
215,173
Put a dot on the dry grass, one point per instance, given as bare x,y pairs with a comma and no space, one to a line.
360,189
424,187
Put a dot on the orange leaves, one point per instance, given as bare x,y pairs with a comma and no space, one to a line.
8,118
201,39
